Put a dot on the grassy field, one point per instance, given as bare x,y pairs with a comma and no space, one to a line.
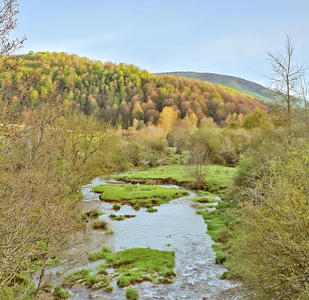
141,195
217,177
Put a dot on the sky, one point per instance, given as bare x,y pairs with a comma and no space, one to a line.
230,37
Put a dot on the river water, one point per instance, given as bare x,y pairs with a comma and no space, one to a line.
175,226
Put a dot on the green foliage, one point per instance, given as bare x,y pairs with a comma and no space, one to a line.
141,195
61,293
217,145
258,118
220,257
272,239
132,294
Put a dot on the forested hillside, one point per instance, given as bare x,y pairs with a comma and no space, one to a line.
117,93
239,84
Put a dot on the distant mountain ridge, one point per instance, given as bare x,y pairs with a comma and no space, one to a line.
236,83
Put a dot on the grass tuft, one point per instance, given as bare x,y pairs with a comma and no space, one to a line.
132,294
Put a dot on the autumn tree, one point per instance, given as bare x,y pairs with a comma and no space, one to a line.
179,135
167,119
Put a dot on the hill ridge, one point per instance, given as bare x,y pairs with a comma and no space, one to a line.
240,84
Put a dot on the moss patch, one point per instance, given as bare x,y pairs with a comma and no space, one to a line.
141,195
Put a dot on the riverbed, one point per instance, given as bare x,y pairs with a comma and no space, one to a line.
175,226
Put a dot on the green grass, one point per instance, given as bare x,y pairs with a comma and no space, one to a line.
132,294
151,209
84,276
61,293
99,255
93,213
217,177
220,223
117,218
141,195
120,217
116,207
139,264
205,199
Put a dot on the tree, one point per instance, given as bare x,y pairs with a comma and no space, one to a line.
8,22
285,76
168,118
258,118
271,248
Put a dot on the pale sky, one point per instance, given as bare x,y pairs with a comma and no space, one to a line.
220,36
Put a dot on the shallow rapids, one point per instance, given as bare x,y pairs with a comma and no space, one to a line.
175,226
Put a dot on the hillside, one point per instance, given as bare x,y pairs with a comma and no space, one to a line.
116,93
239,84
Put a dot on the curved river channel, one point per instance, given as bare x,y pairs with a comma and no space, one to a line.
175,226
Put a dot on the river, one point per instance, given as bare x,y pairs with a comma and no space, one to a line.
175,226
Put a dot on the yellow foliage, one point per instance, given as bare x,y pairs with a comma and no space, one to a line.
167,119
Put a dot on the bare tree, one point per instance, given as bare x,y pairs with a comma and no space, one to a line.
285,76
8,22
